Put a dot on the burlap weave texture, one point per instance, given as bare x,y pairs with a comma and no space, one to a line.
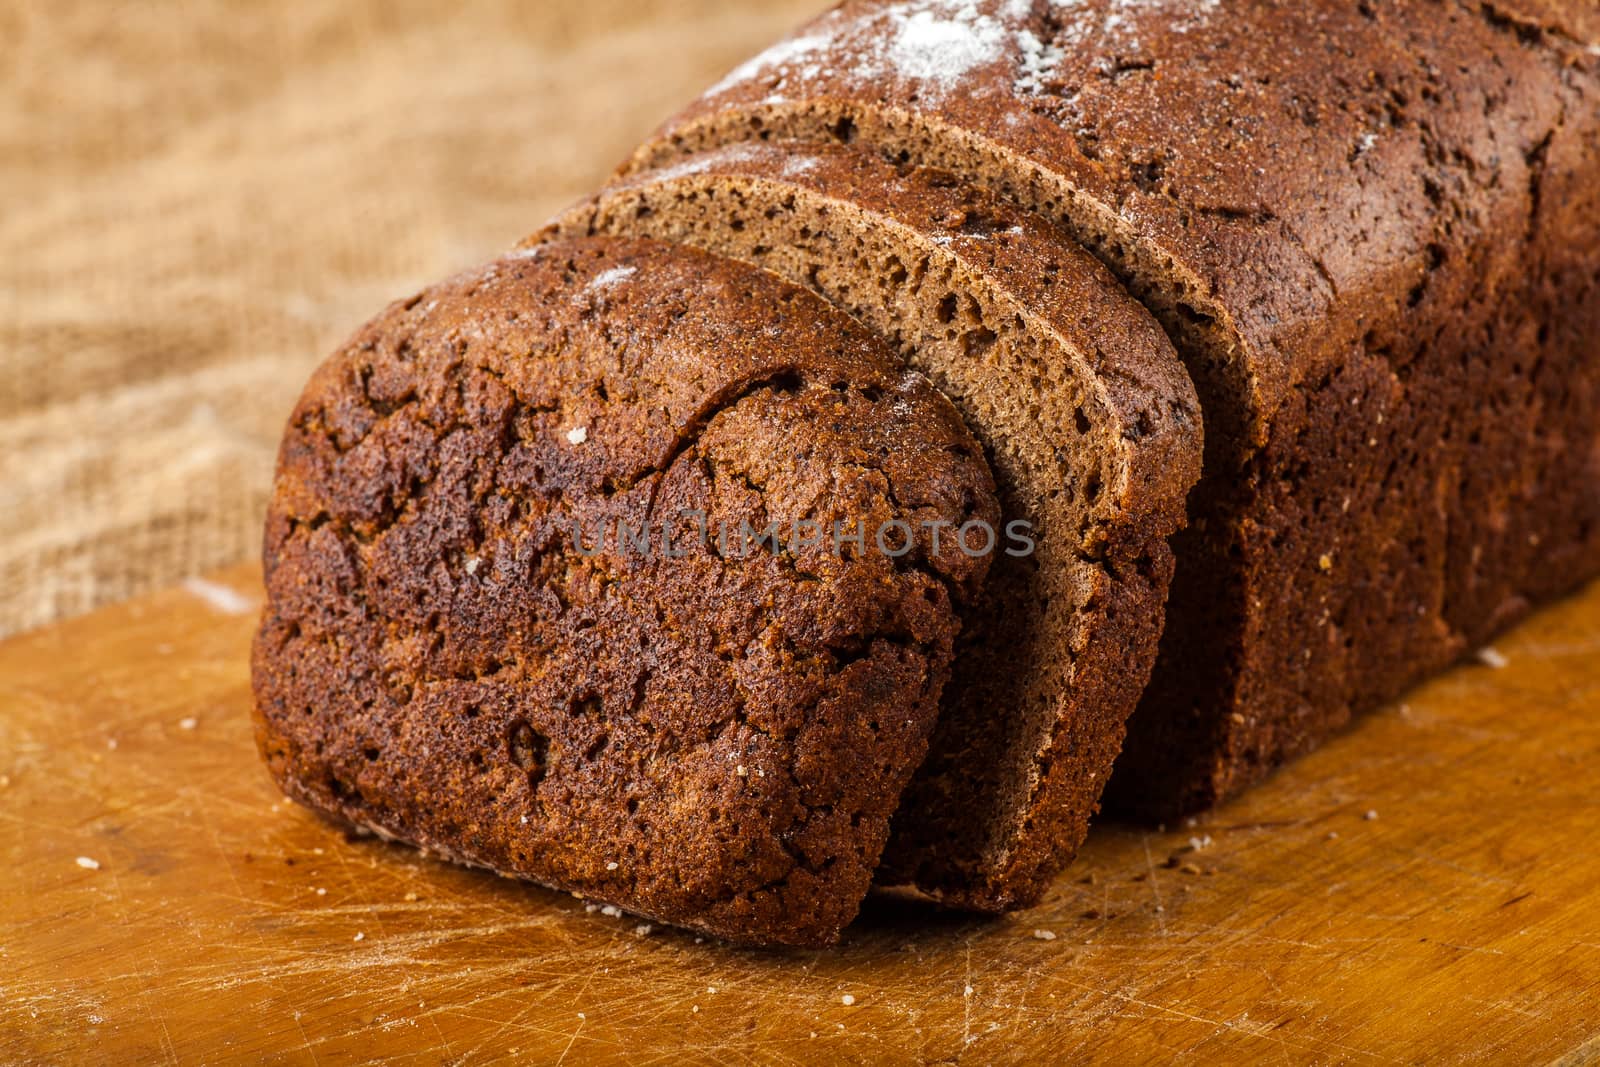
198,201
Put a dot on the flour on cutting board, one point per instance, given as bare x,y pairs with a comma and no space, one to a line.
219,597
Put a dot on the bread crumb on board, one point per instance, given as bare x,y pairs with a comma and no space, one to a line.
1493,658
578,435
1195,844
1370,816
1044,935
847,1000
88,864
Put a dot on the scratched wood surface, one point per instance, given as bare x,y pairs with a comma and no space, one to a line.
1423,888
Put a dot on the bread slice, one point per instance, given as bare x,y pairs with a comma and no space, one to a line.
1090,424
709,724
1373,232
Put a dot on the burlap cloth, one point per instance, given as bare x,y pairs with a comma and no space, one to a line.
198,201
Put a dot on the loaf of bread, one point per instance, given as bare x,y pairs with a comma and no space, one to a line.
1093,431
465,647
1274,328
1372,228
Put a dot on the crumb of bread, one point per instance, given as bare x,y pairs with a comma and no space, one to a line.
1370,815
848,999
613,865
1044,935
88,864
578,435
611,910
359,936
188,724
644,929
1493,658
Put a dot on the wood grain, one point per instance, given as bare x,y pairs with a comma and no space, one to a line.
1422,888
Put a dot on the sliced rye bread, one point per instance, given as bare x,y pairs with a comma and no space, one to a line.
1373,232
1090,425
463,649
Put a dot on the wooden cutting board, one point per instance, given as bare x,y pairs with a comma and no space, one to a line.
1426,887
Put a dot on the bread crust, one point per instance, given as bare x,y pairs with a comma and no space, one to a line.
451,655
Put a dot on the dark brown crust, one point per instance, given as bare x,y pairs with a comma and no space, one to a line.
1372,230
1095,442
714,740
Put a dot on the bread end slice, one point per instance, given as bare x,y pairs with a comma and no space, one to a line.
550,590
